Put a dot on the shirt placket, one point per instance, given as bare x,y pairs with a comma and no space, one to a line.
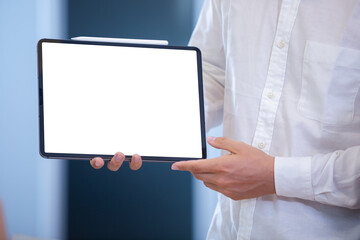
270,100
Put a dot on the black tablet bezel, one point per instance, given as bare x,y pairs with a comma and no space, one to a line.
71,156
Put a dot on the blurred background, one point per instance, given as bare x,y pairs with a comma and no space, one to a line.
59,199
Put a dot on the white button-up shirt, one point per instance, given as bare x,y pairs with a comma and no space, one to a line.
284,76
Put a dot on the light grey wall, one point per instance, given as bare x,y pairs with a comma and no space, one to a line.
31,188
204,199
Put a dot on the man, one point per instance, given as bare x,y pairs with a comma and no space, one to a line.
283,77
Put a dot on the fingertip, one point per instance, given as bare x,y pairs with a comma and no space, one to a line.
135,162
221,143
116,161
119,157
97,163
175,167
211,139
180,166
136,159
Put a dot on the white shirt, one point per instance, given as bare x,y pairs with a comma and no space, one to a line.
284,76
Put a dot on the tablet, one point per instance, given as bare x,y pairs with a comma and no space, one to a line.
98,98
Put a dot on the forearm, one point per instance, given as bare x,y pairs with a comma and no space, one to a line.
332,178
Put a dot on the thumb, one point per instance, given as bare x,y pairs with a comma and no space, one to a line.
224,143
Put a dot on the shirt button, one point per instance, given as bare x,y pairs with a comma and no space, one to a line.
261,145
280,44
271,95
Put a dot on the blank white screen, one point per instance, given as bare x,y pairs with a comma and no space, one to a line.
103,99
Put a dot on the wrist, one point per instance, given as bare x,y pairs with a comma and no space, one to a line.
271,174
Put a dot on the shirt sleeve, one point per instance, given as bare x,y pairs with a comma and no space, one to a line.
207,36
332,178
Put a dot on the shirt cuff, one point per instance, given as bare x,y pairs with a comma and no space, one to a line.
293,177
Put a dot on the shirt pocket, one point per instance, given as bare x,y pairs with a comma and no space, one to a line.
330,83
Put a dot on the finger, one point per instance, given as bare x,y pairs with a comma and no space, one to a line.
116,161
97,162
206,177
218,189
212,186
136,162
229,193
225,143
197,166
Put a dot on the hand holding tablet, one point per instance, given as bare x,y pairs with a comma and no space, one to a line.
115,163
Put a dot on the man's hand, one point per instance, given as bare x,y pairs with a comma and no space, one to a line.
246,172
115,163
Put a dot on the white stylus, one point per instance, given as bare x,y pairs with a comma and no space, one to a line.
121,40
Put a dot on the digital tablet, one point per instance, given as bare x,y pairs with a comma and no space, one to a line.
99,98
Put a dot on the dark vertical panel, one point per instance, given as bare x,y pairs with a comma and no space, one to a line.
154,202
156,19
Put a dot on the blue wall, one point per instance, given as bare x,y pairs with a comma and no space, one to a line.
30,187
